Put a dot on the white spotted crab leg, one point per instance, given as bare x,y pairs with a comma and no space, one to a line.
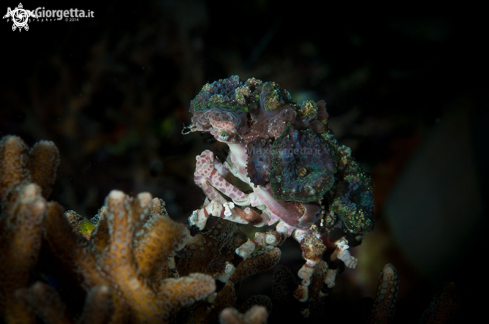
209,176
207,172
311,245
312,251
344,254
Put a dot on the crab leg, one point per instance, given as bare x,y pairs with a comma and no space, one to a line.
343,254
270,238
209,170
218,209
312,251
209,175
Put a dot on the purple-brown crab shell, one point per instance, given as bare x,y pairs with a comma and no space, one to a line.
303,166
259,160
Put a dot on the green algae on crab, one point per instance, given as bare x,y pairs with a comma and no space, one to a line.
230,93
353,200
299,157
303,166
307,110
273,96
233,94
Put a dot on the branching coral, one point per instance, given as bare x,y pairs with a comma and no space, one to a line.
256,315
119,264
123,258
445,307
46,303
136,265
384,306
132,242
19,164
212,253
23,209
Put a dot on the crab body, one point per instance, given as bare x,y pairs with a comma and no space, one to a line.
284,168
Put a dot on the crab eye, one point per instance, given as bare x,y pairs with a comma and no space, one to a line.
223,135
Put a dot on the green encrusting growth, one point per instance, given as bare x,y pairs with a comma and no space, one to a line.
234,94
303,167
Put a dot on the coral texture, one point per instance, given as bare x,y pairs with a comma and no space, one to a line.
132,264
256,315
384,306
25,179
445,307
23,212
212,252
133,240
19,164
118,257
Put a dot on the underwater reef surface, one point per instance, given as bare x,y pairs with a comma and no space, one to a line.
405,92
131,263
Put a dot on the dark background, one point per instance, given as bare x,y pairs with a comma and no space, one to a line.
407,92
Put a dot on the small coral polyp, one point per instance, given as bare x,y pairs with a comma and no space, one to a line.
298,178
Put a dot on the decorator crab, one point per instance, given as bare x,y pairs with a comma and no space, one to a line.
285,168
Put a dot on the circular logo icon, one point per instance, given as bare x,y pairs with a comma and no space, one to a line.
20,17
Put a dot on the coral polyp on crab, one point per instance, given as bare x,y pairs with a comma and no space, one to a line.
293,173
